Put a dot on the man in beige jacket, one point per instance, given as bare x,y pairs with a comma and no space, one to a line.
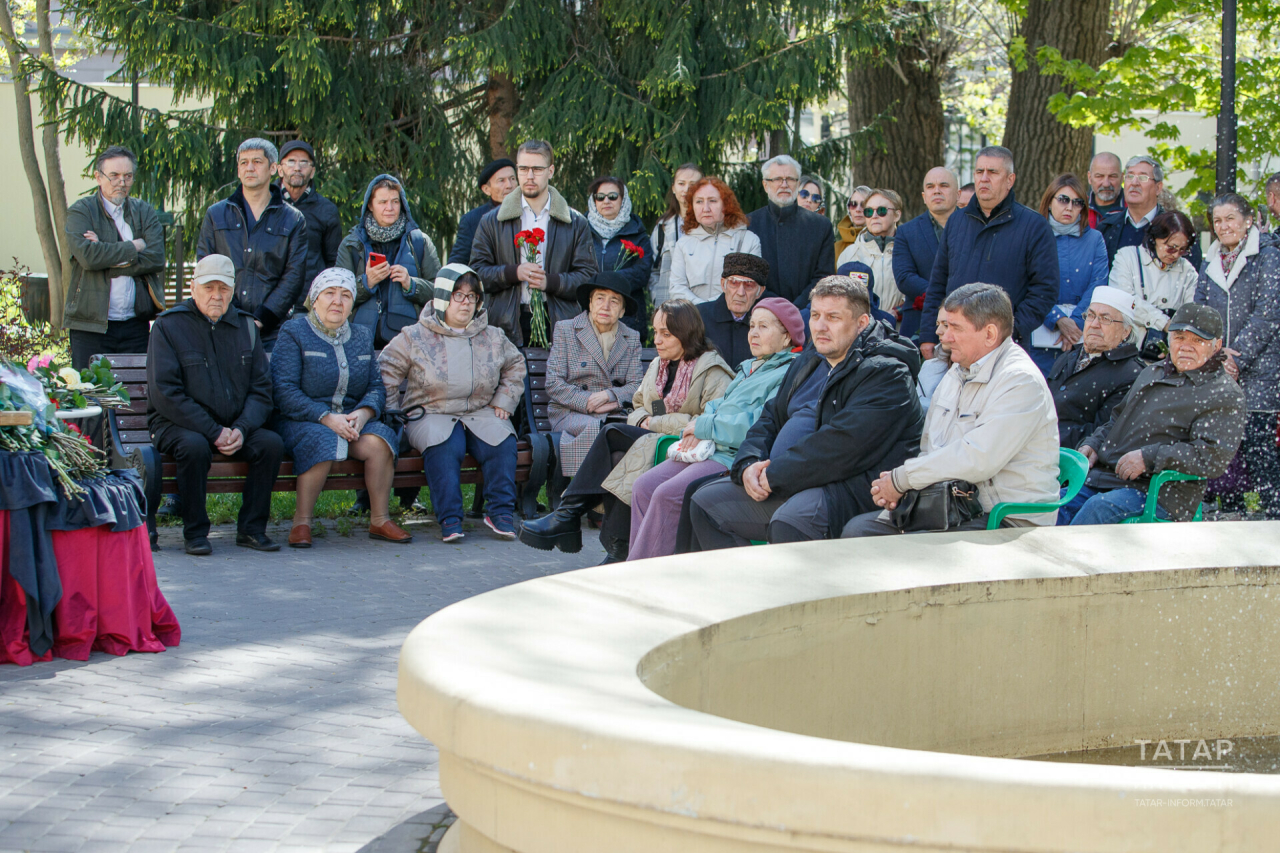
992,421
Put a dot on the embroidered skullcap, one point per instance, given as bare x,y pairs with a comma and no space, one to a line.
1121,300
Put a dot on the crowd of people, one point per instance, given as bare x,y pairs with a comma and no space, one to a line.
813,381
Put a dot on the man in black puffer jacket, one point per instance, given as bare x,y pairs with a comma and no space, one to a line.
846,411
263,236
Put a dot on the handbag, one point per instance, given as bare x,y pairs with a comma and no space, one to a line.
397,420
701,452
933,509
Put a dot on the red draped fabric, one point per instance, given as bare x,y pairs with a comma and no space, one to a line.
110,599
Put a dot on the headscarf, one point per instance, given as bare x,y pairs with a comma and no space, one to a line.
446,280
332,277
607,229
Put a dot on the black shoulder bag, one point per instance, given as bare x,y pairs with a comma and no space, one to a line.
397,420
937,508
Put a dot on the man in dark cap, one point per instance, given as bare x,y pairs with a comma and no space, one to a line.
496,181
1183,414
728,317
324,226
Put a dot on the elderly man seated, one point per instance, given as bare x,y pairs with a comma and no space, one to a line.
728,316
1090,379
1184,414
991,422
209,389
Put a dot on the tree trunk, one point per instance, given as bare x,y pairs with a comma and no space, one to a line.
53,169
1043,147
908,88
49,242
503,102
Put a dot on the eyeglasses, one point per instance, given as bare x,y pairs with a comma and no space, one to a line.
465,298
1136,178
879,211
606,196
1179,251
1103,321
531,170
784,181
115,178
1069,201
740,283
816,197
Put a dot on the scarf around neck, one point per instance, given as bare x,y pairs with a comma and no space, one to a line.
1070,229
341,336
680,388
384,233
607,229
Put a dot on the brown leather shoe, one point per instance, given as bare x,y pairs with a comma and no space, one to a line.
389,532
300,536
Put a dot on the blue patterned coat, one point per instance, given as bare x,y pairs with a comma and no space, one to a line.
313,376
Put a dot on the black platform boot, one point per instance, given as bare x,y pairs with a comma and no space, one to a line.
616,549
562,528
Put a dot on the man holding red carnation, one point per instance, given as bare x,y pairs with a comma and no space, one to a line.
562,261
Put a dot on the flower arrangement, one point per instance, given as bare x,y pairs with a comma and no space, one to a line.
527,243
629,250
41,390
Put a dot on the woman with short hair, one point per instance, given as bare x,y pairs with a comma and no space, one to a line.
714,226
329,398
1158,275
468,378
686,376
1241,279
874,247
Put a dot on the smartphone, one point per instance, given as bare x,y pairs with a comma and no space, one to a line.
658,407
376,260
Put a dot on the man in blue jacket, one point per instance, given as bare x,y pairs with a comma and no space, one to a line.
264,236
916,243
496,181
998,241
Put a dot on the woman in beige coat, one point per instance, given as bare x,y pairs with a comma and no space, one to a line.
687,375
468,378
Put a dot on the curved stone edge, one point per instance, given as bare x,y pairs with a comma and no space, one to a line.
531,695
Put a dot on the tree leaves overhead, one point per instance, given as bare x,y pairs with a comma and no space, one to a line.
626,87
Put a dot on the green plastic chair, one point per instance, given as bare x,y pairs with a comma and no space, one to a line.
1073,468
1153,497
660,452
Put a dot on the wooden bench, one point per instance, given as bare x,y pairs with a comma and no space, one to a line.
130,447
535,421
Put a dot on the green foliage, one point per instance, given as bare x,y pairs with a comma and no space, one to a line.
20,339
628,87
1179,69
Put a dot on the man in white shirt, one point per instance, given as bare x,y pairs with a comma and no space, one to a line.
566,257
117,257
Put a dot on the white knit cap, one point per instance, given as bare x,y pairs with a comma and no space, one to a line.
1121,300
332,277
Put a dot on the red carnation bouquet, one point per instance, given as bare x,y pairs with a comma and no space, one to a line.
629,250
527,242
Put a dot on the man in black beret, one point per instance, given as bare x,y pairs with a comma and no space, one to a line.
496,181
728,317
324,227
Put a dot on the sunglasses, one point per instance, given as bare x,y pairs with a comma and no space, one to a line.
880,211
817,197
606,196
1069,201
854,203
1180,250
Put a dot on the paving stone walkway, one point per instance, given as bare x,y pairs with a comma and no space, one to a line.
273,727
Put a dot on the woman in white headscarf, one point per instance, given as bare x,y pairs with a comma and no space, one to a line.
329,398
615,230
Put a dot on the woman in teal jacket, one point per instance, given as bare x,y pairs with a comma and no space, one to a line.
777,334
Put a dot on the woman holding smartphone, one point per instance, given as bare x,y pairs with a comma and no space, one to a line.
394,262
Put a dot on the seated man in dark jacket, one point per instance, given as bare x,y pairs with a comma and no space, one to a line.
728,316
209,389
1183,414
264,236
1090,379
846,410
